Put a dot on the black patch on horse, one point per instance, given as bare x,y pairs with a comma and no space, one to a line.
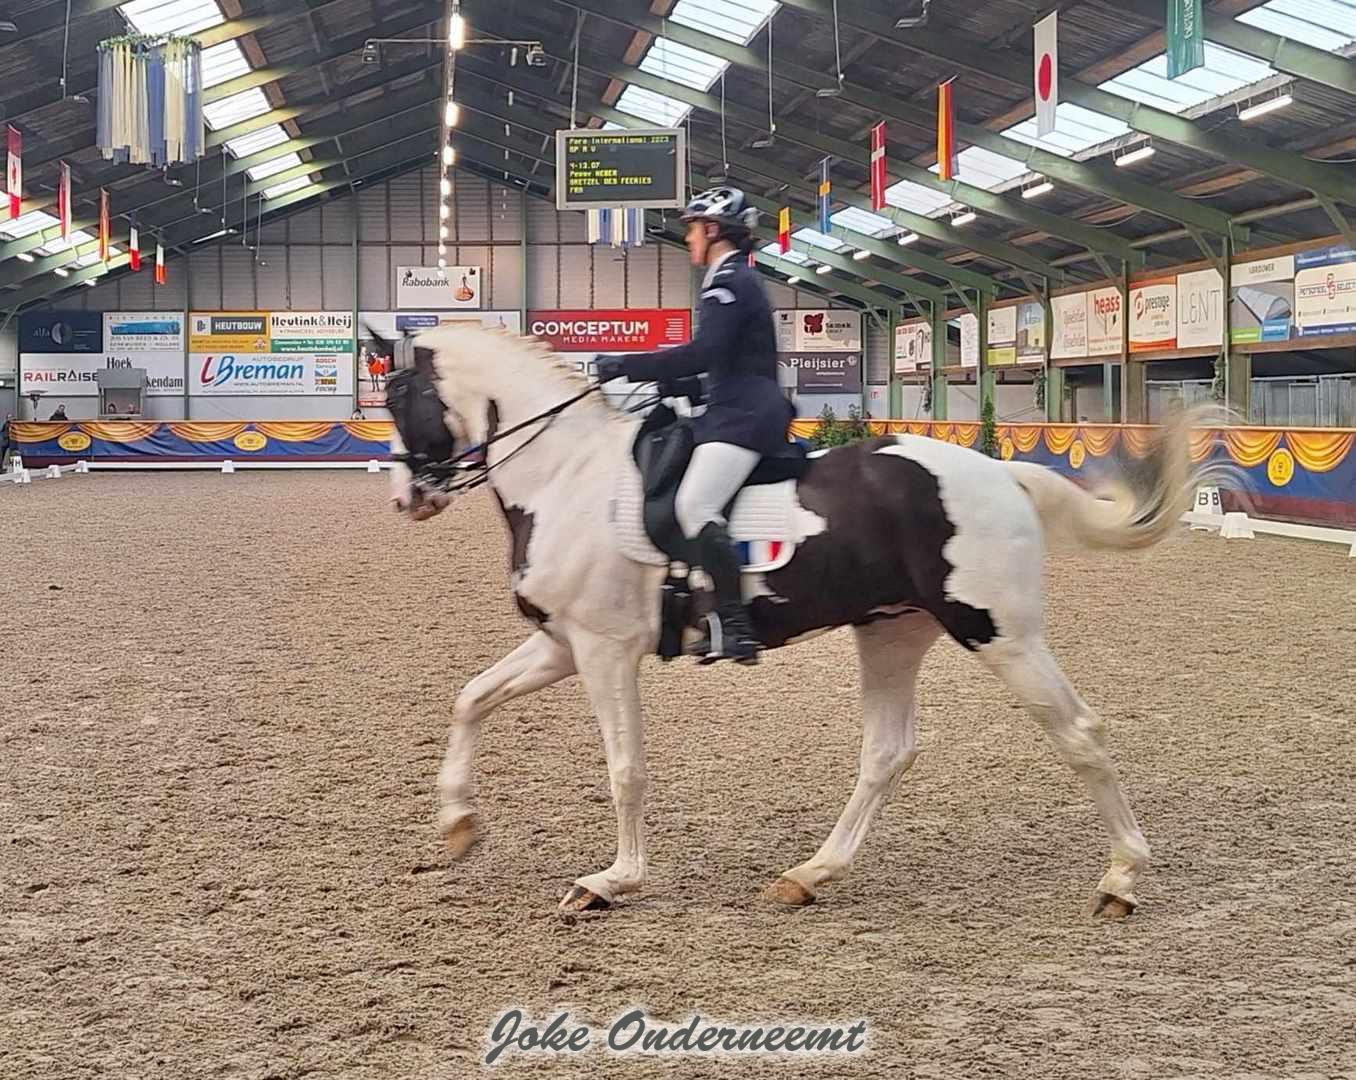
520,534
883,548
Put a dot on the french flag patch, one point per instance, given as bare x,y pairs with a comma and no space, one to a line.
759,552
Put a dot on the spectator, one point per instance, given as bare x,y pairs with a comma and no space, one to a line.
4,441
60,413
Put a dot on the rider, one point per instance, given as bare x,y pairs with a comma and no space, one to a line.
746,416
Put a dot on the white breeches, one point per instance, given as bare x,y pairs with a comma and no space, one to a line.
715,473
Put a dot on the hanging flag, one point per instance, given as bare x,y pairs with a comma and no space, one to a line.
64,200
1186,37
878,166
594,222
1047,73
946,133
784,229
825,190
14,173
160,277
134,245
105,226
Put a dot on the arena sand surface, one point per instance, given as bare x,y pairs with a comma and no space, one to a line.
225,700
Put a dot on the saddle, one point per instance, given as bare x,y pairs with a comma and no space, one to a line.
765,517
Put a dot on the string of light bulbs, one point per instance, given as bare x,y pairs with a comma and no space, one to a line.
449,118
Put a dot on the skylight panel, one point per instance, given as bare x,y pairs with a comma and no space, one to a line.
235,108
172,16
670,60
222,62
863,221
263,139
1325,24
88,259
653,107
1225,71
733,20
30,223
54,247
984,169
811,236
277,165
910,196
1076,129
790,256
287,187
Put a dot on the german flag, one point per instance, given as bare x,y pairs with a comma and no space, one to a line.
784,229
946,132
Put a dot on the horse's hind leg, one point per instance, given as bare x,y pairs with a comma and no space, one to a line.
1079,734
891,652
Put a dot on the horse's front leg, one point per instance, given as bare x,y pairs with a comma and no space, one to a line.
536,663
610,669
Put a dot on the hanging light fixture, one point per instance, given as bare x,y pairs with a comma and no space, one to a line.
963,218
1261,108
456,28
1142,152
452,114
449,155
1039,188
445,187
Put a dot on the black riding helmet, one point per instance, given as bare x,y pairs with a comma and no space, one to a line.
729,209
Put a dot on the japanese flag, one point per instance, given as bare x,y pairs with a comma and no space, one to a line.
1047,73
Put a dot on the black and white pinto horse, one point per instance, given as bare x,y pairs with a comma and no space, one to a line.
902,538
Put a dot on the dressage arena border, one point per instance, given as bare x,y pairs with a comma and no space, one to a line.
1236,525
230,465
51,472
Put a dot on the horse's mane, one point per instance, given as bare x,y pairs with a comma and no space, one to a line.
521,352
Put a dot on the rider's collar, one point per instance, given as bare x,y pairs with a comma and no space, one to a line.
711,270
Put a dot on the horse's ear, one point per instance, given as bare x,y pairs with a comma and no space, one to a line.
387,346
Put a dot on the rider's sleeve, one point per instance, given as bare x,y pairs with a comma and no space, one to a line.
716,337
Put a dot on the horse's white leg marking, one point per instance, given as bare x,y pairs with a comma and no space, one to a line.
609,669
536,663
1079,735
891,652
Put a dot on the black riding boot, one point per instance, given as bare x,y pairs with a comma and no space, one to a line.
729,634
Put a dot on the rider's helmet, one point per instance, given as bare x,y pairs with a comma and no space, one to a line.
729,209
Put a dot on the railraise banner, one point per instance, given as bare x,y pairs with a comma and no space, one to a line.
61,352
262,353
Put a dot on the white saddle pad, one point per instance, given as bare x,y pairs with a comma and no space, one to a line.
767,523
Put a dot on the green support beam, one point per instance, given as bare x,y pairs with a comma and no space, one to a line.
1097,179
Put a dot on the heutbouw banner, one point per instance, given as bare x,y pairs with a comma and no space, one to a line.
374,360
61,352
1200,309
1325,292
1002,348
262,353
1262,300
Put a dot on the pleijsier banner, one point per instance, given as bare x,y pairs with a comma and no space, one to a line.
1262,300
825,373
1200,309
1069,326
611,330
1153,315
1325,292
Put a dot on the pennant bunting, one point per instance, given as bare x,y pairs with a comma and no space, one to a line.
14,172
105,226
134,245
161,278
64,200
825,193
946,133
878,166
784,229
1047,73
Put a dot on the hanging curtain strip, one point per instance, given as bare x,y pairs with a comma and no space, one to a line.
594,228
150,102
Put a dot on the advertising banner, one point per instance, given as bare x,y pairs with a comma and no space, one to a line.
261,353
825,373
72,347
969,340
1325,292
434,287
1002,337
1262,300
1153,315
1200,309
611,330
1030,332
1069,326
913,346
1106,325
375,361
820,330
311,331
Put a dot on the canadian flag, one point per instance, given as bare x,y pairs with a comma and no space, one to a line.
1047,73
14,172
160,276
64,200
134,246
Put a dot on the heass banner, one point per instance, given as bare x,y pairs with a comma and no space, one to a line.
1325,292
1106,322
1262,300
1069,326
1200,309
818,330
1153,315
612,330
913,346
437,287
61,353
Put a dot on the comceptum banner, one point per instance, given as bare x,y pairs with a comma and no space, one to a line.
612,330
437,288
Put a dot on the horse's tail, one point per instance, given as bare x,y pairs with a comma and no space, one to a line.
1123,514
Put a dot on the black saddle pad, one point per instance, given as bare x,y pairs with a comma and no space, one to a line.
662,451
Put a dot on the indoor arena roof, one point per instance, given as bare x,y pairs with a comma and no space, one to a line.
296,115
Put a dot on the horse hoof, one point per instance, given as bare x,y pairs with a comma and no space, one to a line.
789,893
581,899
461,836
1106,906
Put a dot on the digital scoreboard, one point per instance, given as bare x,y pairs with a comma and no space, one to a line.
634,167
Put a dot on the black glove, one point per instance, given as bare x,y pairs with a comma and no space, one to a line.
610,367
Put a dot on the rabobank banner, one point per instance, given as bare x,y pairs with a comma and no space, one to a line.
61,352
270,354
